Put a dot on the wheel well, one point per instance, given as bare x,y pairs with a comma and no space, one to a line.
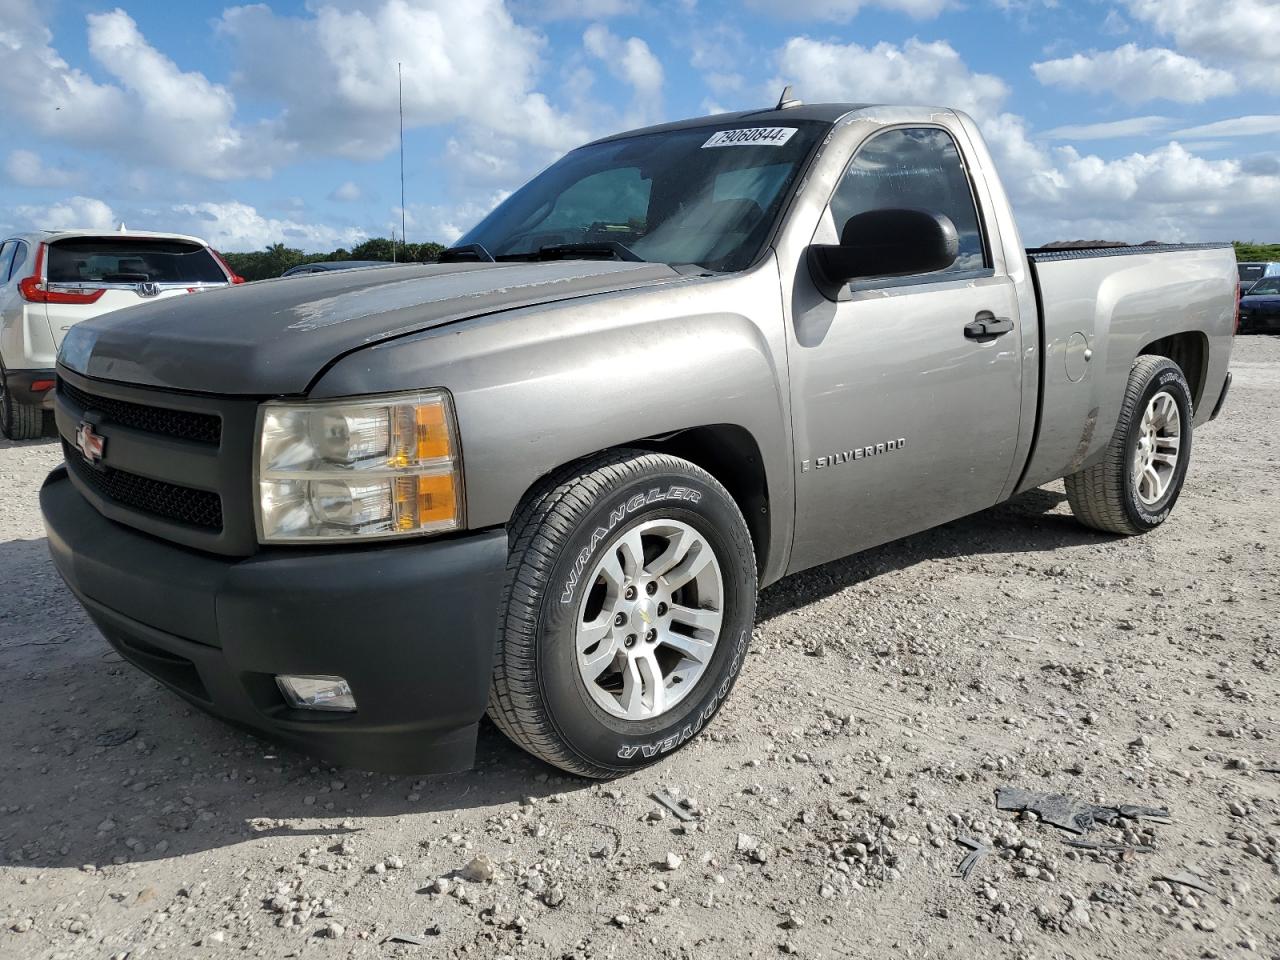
730,454
1190,351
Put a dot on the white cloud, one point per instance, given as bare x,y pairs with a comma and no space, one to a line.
842,11
70,214
446,223
574,9
632,62
334,72
192,118
1114,24
26,168
151,112
1135,74
1237,127
1167,194
916,72
347,192
1113,129
485,159
238,226
229,225
1236,34
1209,146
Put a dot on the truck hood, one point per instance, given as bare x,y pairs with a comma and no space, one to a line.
275,336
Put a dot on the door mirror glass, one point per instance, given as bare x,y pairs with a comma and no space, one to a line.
894,242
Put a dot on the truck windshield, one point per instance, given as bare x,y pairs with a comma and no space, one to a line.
1269,285
707,195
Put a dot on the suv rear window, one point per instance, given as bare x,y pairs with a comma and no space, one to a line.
131,260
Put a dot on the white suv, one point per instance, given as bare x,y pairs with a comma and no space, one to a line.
51,280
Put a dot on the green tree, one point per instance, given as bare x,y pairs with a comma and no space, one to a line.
277,258
1254,252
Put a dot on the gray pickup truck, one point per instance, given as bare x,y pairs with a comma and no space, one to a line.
545,477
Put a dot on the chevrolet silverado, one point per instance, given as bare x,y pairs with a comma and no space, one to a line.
545,477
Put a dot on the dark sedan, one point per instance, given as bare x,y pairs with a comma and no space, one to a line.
1260,307
328,266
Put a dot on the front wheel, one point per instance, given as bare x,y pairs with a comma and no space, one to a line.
629,601
1135,485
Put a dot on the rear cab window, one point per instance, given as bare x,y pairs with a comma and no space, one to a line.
131,260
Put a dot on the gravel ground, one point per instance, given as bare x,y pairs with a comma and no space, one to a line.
887,696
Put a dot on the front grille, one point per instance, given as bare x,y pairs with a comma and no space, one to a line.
181,424
169,501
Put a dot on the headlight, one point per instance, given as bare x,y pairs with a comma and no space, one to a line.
370,468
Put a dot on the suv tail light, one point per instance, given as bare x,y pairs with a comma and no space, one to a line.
231,274
35,290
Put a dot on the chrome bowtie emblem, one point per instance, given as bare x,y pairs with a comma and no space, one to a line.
89,443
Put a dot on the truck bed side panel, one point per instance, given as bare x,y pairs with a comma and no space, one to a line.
1100,309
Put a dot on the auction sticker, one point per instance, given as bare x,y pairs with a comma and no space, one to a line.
751,137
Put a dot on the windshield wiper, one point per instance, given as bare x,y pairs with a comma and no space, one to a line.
466,253
602,249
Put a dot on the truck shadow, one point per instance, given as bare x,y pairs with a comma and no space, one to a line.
103,765
1025,524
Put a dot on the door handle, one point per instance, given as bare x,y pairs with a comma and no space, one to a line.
987,326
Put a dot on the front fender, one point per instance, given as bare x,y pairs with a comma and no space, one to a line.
540,387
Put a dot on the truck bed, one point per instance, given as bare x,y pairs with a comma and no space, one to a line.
1099,308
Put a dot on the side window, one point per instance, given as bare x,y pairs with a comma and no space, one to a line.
914,167
6,259
19,259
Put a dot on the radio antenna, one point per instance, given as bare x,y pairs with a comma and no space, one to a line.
400,82
786,101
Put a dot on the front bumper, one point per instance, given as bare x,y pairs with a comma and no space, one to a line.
410,626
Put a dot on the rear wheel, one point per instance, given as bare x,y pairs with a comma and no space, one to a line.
18,421
1135,485
629,603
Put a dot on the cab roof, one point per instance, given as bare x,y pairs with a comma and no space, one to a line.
771,116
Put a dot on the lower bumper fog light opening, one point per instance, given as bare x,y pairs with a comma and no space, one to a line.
317,693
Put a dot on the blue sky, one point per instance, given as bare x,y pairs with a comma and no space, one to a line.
276,122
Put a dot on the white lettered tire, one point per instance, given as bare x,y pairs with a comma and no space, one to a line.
627,610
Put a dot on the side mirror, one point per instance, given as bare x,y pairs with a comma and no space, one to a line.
885,243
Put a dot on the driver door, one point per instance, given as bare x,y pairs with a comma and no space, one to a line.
902,421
